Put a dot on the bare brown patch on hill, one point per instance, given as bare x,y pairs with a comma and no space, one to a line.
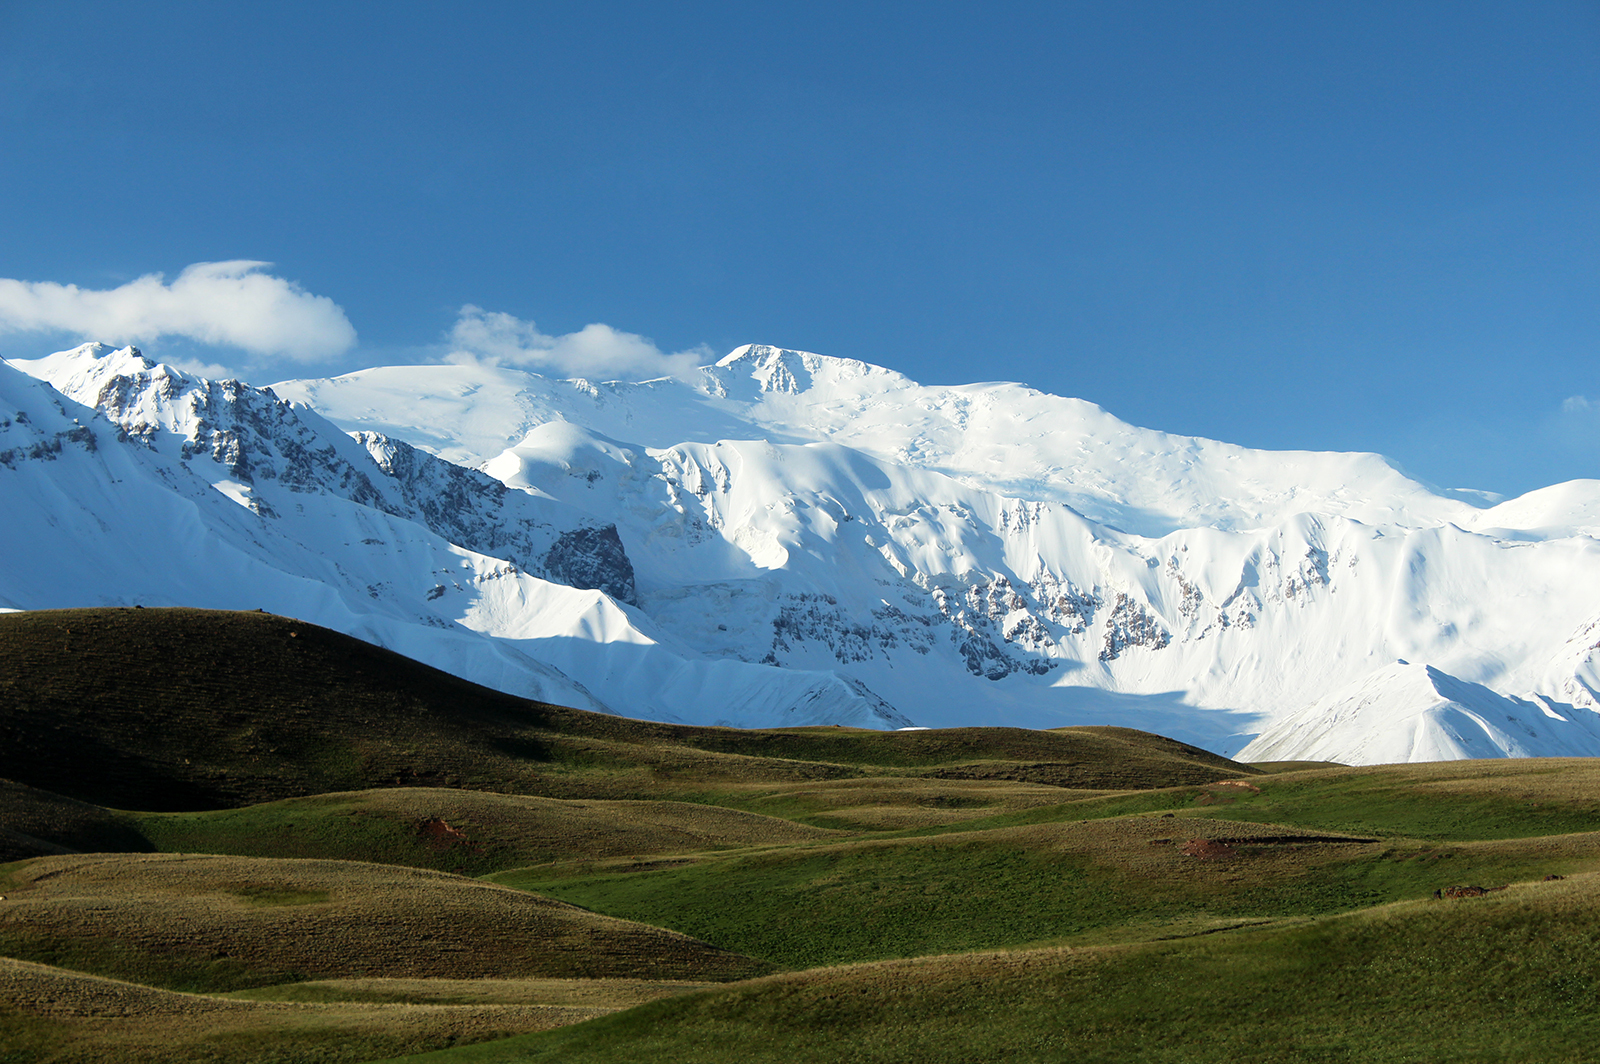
228,921
1208,849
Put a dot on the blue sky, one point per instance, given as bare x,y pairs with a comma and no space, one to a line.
1343,225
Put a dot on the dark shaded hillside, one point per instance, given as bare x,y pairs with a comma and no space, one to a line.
175,709
34,822
190,709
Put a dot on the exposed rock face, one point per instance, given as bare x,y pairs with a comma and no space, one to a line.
1131,624
593,558
885,712
972,616
476,511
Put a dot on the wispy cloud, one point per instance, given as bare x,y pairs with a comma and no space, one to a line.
1580,406
1577,427
597,351
230,303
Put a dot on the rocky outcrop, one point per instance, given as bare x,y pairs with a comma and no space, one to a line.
30,444
1131,624
593,558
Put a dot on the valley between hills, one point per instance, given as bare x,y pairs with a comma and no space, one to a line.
238,837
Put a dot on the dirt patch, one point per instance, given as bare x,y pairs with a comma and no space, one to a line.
1208,849
1225,792
439,835
1465,892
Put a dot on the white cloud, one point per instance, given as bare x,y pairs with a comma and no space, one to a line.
195,367
596,351
231,303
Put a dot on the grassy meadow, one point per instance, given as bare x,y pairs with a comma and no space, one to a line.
278,844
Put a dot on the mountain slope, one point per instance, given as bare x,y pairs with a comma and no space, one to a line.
1047,561
1408,712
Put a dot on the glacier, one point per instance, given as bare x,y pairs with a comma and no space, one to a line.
789,538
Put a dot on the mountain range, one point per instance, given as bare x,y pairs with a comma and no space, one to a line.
786,538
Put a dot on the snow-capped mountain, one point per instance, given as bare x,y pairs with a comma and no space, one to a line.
788,537
182,491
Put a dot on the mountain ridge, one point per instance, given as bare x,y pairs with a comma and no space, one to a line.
979,554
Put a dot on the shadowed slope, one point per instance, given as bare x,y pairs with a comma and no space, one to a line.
188,709
185,709
34,822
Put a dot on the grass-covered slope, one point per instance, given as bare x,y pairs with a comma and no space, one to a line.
472,832
1100,880
53,1014
220,923
1509,978
187,709
34,822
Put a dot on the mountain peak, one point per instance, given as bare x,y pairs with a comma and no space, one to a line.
777,369
93,353
780,372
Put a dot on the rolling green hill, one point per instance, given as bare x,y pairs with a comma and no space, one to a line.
1505,979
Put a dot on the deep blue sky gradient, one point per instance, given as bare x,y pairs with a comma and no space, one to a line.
1342,225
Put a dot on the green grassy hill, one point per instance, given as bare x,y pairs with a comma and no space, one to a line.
205,804
1506,979
204,922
